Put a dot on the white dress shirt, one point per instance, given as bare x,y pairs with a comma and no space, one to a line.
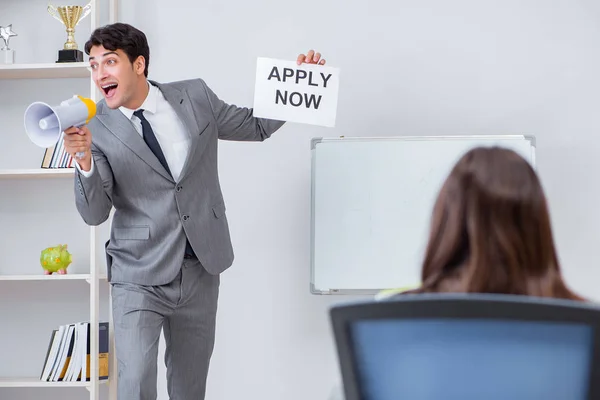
170,132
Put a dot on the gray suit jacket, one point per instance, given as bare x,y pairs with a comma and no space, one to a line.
153,213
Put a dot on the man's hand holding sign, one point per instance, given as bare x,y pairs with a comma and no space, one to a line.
304,91
310,58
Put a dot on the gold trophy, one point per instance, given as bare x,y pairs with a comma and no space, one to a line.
70,16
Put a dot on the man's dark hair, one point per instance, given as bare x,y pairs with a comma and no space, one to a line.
122,36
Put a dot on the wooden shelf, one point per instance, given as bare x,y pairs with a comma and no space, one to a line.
53,277
36,382
45,71
30,177
36,173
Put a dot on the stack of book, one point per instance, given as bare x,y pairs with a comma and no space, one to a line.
57,157
68,355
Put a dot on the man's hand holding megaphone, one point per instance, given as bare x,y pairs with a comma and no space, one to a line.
79,140
44,125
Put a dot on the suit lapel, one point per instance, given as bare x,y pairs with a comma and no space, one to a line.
123,129
181,103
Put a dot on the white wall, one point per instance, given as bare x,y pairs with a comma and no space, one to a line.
428,67
407,67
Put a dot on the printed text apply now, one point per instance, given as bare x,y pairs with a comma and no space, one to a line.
286,91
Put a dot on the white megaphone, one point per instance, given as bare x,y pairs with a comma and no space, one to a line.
44,124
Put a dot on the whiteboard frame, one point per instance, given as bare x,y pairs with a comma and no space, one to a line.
313,147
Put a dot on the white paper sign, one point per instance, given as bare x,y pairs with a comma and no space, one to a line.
286,91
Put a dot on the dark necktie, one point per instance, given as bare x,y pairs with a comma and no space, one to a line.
151,140
153,144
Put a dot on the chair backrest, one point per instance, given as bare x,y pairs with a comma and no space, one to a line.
468,346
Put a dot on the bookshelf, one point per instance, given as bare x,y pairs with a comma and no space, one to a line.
50,278
22,183
20,382
36,173
44,71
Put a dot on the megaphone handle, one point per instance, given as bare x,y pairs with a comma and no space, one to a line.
80,154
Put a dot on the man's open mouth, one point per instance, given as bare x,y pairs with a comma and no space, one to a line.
109,89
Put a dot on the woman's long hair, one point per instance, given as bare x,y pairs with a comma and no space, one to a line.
491,231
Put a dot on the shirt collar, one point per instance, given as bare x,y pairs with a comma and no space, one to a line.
148,105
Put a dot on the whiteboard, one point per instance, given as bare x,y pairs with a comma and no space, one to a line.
371,204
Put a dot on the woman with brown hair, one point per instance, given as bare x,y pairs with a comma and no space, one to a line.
491,231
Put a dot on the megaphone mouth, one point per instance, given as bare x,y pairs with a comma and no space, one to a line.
44,124
42,137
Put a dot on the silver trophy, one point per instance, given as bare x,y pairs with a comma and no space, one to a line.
8,54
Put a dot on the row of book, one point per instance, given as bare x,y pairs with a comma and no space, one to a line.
68,355
57,157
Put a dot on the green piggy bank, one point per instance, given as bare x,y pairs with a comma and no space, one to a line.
55,259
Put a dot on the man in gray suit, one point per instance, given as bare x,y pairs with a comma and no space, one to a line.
153,157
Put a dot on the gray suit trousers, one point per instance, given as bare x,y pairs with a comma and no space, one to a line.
185,309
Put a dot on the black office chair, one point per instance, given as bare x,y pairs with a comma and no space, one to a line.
468,346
